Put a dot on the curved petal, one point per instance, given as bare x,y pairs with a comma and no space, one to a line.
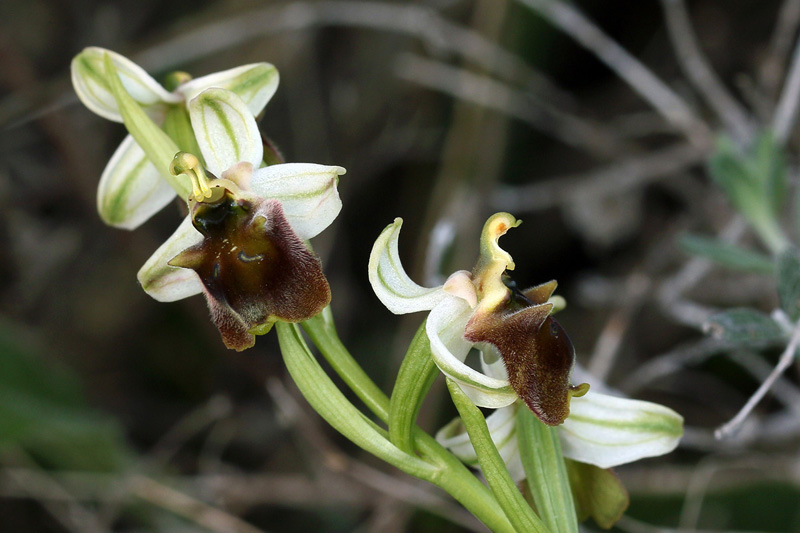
608,431
389,280
88,78
167,283
225,129
306,191
445,328
131,189
255,84
502,428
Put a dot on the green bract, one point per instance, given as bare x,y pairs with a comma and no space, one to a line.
132,188
601,430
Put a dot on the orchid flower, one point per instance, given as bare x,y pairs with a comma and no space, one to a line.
242,244
131,189
525,355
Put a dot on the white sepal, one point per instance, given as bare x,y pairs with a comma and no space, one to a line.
166,283
89,81
449,348
131,189
389,280
307,192
255,84
225,129
607,431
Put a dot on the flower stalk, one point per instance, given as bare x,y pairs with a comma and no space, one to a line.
546,473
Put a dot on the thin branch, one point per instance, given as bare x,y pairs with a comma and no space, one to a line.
487,92
417,21
671,106
612,179
201,513
670,294
786,110
787,358
786,24
697,69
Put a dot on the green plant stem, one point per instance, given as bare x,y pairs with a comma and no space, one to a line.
331,404
546,472
508,495
450,474
414,379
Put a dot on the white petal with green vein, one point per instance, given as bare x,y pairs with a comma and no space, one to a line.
389,280
131,189
89,80
167,283
607,431
255,84
307,192
449,348
225,129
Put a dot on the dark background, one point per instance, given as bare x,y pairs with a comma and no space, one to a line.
104,390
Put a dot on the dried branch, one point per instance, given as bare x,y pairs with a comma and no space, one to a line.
697,69
786,111
671,106
487,92
786,359
612,179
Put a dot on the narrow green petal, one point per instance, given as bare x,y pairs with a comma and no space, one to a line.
226,130
90,80
307,192
607,431
131,189
255,84
389,280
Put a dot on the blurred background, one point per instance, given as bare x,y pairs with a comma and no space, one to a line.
590,121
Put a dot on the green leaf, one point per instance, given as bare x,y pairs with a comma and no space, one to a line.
789,282
744,326
726,254
728,168
546,473
598,493
494,469
414,379
43,412
769,164
160,149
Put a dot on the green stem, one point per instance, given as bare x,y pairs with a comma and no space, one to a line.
546,472
323,334
494,469
414,379
331,404
451,475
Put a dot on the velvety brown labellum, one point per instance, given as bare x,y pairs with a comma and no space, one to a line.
254,268
536,351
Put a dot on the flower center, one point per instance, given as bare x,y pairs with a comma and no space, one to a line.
202,190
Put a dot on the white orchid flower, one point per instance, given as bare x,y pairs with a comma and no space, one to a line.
517,338
242,244
131,189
